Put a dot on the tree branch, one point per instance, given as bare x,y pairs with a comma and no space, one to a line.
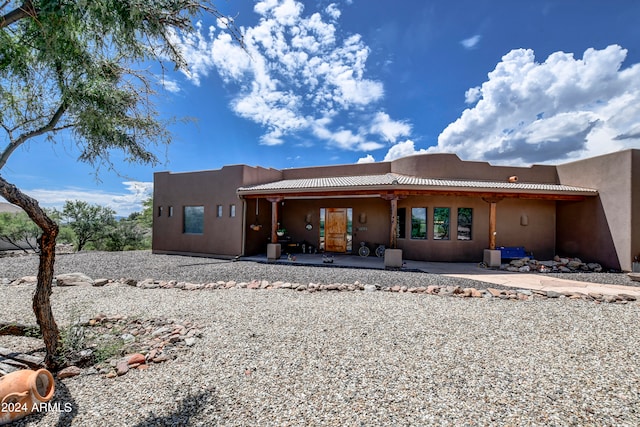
26,136
22,12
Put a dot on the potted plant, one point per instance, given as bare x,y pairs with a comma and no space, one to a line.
281,232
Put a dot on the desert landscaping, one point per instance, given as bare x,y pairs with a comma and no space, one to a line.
273,355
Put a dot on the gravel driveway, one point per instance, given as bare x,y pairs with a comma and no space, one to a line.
281,357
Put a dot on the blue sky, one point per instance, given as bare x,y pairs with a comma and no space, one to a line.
346,81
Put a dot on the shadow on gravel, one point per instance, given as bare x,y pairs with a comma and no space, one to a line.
190,406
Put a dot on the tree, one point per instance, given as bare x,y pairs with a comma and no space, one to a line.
18,230
89,222
75,67
126,235
145,218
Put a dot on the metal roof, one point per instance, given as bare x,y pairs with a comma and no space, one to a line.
396,181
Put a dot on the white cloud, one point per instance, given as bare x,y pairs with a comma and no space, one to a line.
296,71
333,11
169,84
471,42
559,110
344,139
124,203
196,50
366,159
389,129
471,96
402,149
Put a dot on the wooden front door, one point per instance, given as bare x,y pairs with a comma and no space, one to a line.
335,230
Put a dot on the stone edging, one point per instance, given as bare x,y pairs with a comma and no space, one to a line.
456,291
79,279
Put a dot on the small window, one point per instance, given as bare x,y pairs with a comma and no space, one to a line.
402,223
465,219
232,211
159,211
418,223
193,219
441,223
219,211
170,213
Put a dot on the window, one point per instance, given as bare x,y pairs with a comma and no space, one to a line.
465,218
170,213
441,223
418,223
232,211
219,211
402,223
159,211
194,219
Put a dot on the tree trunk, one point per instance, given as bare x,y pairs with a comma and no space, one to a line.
41,297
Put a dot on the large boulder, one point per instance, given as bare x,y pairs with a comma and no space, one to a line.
74,279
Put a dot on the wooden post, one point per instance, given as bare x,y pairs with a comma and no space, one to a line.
492,225
394,223
274,218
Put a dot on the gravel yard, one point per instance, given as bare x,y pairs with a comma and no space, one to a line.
281,357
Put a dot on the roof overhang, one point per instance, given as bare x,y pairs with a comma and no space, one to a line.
390,184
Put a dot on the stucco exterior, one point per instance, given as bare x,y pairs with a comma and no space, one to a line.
606,227
583,209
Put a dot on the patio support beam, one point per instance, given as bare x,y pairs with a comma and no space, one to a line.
492,225
394,223
493,201
274,217
393,232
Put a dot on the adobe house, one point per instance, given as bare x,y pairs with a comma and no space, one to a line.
434,207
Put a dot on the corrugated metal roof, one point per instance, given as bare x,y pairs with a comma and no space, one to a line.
403,181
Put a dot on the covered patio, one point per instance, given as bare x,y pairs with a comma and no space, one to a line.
337,214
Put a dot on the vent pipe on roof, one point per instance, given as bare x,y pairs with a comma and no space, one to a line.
513,178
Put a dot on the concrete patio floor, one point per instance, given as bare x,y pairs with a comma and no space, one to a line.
533,281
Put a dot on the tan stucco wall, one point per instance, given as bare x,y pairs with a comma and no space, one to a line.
602,228
444,165
635,205
449,166
338,170
537,237
223,235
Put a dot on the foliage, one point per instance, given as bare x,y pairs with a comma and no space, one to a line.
79,66
89,222
131,233
145,218
82,346
18,230
126,235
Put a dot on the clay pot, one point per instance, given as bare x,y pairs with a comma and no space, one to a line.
22,392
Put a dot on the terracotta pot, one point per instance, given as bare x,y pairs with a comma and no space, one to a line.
22,392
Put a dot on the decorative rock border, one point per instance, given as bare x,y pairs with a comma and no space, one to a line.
557,265
455,291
